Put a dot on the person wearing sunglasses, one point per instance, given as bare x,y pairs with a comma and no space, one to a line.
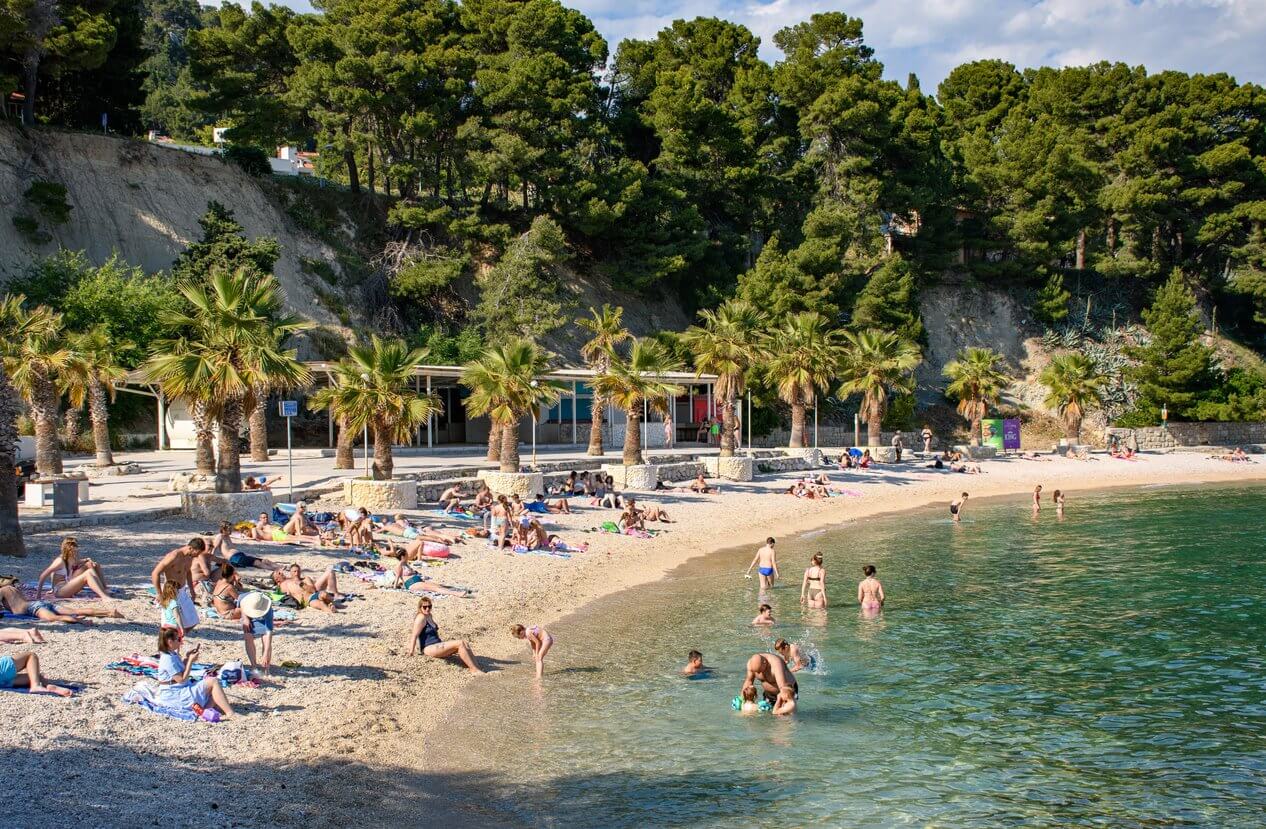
425,636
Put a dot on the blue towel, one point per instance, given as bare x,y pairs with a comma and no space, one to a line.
75,688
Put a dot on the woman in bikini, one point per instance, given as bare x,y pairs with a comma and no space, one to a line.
813,587
538,639
500,522
12,599
870,593
68,574
425,636
225,593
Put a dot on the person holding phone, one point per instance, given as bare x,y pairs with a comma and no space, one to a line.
176,689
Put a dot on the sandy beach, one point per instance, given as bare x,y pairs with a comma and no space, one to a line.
344,735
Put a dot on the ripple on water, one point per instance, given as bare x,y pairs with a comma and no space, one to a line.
1103,670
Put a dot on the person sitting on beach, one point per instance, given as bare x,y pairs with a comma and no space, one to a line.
960,465
405,577
604,492
22,670
813,586
766,562
785,704
870,593
846,459
700,485
68,574
253,484
694,664
257,621
1075,454
451,498
226,592
21,636
764,615
956,507
654,512
749,705
539,640
483,500
299,523
360,532
177,567
586,484
425,636
176,689
772,673
631,518
866,461
791,654
12,600
205,567
567,487
262,530
221,542
542,507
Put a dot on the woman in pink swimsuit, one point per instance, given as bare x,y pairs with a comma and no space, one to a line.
870,593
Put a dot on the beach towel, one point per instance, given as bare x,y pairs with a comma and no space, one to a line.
85,595
147,666
76,688
143,696
461,516
524,551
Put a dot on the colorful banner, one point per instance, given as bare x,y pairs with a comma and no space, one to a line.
1011,433
991,433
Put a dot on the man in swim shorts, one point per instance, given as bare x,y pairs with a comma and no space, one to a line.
177,567
773,675
766,562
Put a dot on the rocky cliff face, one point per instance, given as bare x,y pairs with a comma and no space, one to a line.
141,200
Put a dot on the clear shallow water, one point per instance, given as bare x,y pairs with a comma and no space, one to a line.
1106,670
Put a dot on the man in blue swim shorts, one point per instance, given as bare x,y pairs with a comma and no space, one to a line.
766,562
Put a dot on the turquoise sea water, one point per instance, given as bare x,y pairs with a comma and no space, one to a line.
1108,669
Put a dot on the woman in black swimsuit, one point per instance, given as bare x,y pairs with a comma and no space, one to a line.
956,507
426,638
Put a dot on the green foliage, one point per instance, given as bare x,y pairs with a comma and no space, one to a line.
252,160
522,296
1239,396
47,41
425,275
29,226
224,247
49,198
1175,368
900,414
890,301
1051,305
448,349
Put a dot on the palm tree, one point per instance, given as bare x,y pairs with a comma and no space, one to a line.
1076,385
34,354
504,385
727,344
876,364
11,542
977,378
804,354
90,378
345,447
373,387
636,382
607,327
230,348
257,424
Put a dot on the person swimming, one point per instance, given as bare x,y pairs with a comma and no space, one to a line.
813,587
956,507
791,654
694,665
870,593
749,705
765,616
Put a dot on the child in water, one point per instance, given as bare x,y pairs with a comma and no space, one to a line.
694,664
786,703
749,706
765,616
538,639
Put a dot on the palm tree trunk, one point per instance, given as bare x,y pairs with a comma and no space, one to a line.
72,428
633,436
494,440
875,423
48,455
384,461
975,431
1072,429
99,414
259,426
228,475
510,447
345,454
727,427
204,454
797,424
11,543
596,447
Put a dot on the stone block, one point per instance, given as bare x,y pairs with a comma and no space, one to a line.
736,468
214,507
813,458
380,496
524,484
640,477
978,453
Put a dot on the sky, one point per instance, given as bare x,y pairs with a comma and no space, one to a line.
931,37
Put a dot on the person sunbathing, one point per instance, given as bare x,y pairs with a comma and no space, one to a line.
412,551
12,599
262,530
22,670
253,484
700,485
226,592
318,595
543,507
406,578
866,461
240,559
19,636
68,574
299,523
654,512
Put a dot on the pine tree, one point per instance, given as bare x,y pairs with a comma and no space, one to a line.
224,246
1051,305
1176,367
890,301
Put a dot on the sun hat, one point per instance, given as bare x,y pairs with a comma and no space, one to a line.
255,605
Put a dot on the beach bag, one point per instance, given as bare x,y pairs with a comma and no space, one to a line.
322,517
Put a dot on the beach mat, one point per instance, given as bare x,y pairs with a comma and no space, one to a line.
75,688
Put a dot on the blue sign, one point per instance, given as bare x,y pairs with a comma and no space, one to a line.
289,408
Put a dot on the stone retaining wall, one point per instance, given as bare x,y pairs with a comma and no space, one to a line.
680,471
214,507
841,436
1193,434
381,496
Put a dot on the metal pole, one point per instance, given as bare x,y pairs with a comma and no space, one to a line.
749,418
574,441
366,449
417,389
533,437
815,423
162,421
644,416
290,454
857,427
430,421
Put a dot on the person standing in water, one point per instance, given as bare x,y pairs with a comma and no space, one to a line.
1058,498
773,675
792,655
813,587
766,562
870,593
956,507
539,640
1037,499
